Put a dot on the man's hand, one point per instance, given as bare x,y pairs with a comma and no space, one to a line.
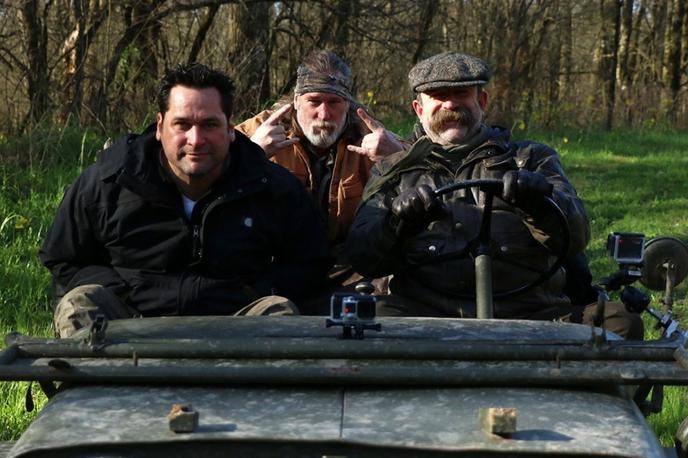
414,209
271,135
525,189
379,142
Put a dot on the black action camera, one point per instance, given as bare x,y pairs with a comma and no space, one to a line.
354,313
626,248
352,308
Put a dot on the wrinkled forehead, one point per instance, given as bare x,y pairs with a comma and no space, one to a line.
322,97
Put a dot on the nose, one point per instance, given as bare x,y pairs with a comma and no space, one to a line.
194,136
324,112
450,103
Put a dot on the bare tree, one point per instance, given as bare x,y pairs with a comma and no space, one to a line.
35,28
97,61
674,67
610,12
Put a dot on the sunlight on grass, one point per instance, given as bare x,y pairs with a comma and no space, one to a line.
629,181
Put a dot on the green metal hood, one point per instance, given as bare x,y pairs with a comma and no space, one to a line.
119,421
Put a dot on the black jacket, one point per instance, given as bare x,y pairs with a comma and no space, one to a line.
122,225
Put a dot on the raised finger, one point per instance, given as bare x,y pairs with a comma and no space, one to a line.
372,123
287,142
277,115
358,149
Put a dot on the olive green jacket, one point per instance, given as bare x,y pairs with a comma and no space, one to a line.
523,244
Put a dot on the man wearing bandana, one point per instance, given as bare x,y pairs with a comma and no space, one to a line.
328,141
425,241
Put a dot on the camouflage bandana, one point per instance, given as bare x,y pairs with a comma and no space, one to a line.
307,81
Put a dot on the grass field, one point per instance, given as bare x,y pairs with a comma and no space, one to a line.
630,181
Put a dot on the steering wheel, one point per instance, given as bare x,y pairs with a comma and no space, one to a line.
481,243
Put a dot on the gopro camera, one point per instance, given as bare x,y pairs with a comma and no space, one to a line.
352,308
626,248
353,312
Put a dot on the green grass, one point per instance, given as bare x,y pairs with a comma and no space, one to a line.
33,175
630,181
635,182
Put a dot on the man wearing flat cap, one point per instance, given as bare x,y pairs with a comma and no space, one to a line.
427,241
328,141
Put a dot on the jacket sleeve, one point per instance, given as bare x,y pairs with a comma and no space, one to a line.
72,250
372,248
303,257
249,126
544,228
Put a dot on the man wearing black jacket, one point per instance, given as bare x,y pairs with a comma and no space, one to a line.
428,242
188,218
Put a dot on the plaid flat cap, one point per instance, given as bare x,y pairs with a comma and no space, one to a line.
449,69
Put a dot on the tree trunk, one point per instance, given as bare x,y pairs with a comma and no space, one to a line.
202,33
36,39
430,8
248,40
674,56
623,75
610,13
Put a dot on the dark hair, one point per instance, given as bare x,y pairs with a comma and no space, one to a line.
197,76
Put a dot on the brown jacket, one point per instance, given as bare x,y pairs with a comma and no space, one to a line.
349,175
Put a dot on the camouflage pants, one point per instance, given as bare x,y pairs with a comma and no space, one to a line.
78,308
616,318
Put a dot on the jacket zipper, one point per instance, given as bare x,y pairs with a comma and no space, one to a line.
197,251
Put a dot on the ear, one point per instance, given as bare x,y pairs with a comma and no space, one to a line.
483,99
417,107
296,102
158,127
231,131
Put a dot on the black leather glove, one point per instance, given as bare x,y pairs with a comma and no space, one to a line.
526,189
414,209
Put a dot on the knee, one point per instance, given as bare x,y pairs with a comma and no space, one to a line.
626,324
618,320
76,309
634,328
269,305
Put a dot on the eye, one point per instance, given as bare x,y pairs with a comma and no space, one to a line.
180,124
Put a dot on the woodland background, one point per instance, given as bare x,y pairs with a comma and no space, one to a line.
557,63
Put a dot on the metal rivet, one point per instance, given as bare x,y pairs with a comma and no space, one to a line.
263,180
432,248
183,418
498,420
503,249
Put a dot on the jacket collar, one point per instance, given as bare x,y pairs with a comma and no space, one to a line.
391,166
134,161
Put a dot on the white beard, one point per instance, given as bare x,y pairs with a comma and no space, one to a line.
321,134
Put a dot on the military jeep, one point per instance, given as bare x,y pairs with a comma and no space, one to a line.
356,385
